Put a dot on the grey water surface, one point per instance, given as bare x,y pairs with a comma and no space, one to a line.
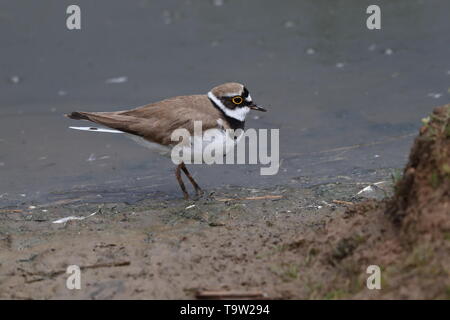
347,100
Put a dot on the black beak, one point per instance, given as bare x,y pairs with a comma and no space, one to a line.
255,107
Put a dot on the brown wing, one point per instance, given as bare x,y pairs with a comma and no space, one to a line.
155,122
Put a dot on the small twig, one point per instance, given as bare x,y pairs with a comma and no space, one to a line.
107,265
92,266
346,203
251,198
11,211
229,295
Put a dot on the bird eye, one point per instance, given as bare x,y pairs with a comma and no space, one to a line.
237,100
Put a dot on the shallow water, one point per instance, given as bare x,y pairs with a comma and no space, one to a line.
348,101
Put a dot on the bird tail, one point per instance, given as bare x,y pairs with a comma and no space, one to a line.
113,120
77,115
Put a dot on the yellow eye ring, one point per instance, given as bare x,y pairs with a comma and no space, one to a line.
237,100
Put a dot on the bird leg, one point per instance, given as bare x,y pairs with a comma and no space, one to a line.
180,181
197,188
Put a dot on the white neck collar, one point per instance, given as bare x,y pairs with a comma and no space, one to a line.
238,113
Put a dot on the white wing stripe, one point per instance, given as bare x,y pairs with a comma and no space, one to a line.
94,129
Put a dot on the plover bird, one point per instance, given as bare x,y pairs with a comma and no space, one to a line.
224,107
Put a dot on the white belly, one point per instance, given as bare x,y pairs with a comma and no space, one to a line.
197,146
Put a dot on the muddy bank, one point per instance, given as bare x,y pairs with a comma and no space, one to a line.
168,248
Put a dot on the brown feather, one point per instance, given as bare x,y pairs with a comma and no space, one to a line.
156,122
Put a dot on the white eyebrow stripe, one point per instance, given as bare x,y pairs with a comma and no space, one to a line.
232,94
